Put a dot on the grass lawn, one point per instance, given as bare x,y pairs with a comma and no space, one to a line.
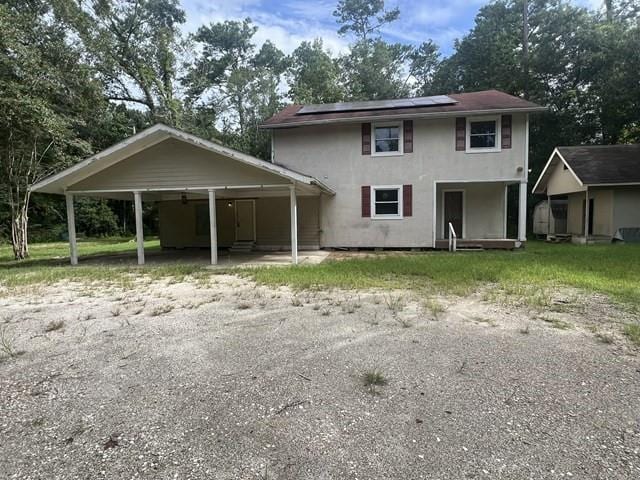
49,263
529,274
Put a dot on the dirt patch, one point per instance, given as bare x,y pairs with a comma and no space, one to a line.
222,378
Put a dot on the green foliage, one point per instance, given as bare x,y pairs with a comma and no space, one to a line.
313,75
363,17
134,46
235,85
94,218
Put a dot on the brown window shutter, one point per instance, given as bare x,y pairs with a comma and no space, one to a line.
461,134
366,139
366,201
506,131
407,200
407,136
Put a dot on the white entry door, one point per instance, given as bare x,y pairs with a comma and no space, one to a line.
245,220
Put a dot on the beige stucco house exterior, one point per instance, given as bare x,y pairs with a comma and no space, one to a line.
395,174
598,187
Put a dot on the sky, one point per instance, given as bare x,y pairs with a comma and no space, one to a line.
288,22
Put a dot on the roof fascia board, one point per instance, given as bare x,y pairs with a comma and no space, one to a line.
403,116
624,184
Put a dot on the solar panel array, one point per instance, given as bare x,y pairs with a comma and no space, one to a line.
377,105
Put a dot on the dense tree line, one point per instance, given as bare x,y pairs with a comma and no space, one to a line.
79,75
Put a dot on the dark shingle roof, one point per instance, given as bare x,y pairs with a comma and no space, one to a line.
598,164
486,101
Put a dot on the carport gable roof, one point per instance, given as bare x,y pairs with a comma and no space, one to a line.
59,182
595,165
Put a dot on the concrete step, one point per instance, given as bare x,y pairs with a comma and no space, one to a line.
242,246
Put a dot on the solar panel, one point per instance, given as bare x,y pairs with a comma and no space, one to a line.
377,105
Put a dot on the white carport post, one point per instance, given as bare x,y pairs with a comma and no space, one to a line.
294,225
71,227
586,216
137,200
522,213
213,232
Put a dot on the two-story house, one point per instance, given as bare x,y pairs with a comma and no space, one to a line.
402,173
403,170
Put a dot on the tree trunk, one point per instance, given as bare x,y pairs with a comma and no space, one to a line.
19,223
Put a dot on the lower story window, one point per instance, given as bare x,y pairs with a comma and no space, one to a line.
387,202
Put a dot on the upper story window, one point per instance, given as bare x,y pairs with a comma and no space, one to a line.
387,139
386,202
483,134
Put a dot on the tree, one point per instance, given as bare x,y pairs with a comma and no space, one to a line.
424,62
235,84
134,45
363,17
313,76
45,93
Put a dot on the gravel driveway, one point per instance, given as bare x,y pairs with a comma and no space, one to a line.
229,380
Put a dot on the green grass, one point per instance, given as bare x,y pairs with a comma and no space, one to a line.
529,274
49,263
612,270
632,331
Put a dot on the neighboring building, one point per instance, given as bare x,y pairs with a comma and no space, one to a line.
382,174
594,192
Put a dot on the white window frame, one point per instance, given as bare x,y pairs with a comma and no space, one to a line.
400,150
491,118
397,216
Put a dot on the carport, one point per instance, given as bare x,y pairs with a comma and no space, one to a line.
166,165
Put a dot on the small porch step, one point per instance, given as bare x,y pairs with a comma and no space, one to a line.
242,246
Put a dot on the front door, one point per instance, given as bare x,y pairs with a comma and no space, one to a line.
453,212
245,230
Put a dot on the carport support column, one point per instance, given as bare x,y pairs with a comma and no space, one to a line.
71,228
522,213
213,231
294,225
586,216
137,201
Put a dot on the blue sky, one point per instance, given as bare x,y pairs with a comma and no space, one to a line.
288,22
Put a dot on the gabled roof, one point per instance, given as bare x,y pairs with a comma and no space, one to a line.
488,101
595,165
59,182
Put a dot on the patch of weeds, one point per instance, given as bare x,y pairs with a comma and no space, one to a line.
325,312
137,311
556,323
316,307
296,302
632,331
243,306
435,307
372,379
348,307
525,330
54,325
215,298
395,303
161,310
604,338
7,342
116,311
87,316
